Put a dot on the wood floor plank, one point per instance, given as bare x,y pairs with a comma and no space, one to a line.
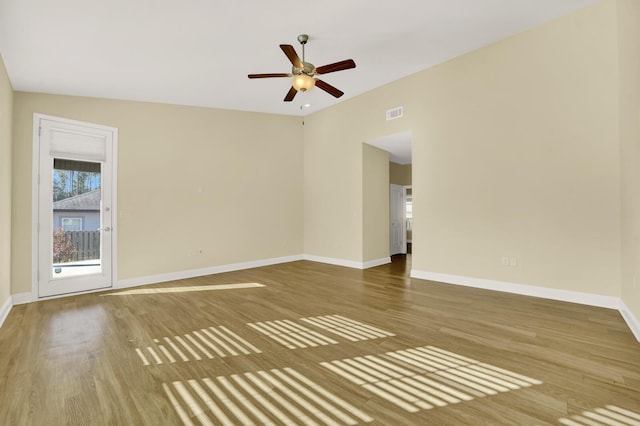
402,352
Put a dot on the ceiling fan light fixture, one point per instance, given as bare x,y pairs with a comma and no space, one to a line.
303,82
303,72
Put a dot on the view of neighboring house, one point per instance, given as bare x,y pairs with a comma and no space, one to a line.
78,213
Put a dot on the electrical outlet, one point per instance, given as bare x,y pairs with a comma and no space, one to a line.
190,253
505,260
513,261
200,251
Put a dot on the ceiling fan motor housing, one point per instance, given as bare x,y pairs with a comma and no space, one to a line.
308,69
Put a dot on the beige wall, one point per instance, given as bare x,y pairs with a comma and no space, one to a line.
399,174
6,108
375,203
519,149
332,188
629,45
333,220
515,152
227,182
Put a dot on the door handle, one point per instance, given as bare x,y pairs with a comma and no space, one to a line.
106,229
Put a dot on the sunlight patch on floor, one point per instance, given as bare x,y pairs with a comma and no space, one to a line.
427,377
264,397
347,328
291,334
609,415
204,343
295,336
184,289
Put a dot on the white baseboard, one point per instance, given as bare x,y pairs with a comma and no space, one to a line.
347,263
180,275
333,261
631,320
590,299
22,298
376,262
5,309
522,289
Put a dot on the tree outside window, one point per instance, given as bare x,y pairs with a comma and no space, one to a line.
63,248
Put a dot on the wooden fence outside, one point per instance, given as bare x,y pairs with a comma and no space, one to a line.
87,244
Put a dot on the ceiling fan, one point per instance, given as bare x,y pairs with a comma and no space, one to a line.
304,73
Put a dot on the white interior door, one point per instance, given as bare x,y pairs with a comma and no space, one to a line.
396,215
75,198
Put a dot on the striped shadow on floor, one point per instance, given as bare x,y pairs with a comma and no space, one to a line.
291,335
349,329
427,377
265,397
609,415
206,343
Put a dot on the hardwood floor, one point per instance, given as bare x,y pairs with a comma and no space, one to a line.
309,343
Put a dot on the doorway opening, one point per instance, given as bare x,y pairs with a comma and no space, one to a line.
398,146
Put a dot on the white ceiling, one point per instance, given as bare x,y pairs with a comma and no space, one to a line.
197,52
398,145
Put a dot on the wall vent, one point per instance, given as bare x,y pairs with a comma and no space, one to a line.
394,113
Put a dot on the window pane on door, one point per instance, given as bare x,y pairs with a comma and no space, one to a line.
77,201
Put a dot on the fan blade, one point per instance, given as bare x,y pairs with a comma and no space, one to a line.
338,66
329,88
269,75
290,95
292,55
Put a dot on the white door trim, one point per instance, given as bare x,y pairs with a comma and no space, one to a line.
397,206
404,201
35,199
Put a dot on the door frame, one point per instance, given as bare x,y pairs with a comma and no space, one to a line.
405,189
403,218
35,202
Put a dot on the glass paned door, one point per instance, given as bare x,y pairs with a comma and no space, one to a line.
74,203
